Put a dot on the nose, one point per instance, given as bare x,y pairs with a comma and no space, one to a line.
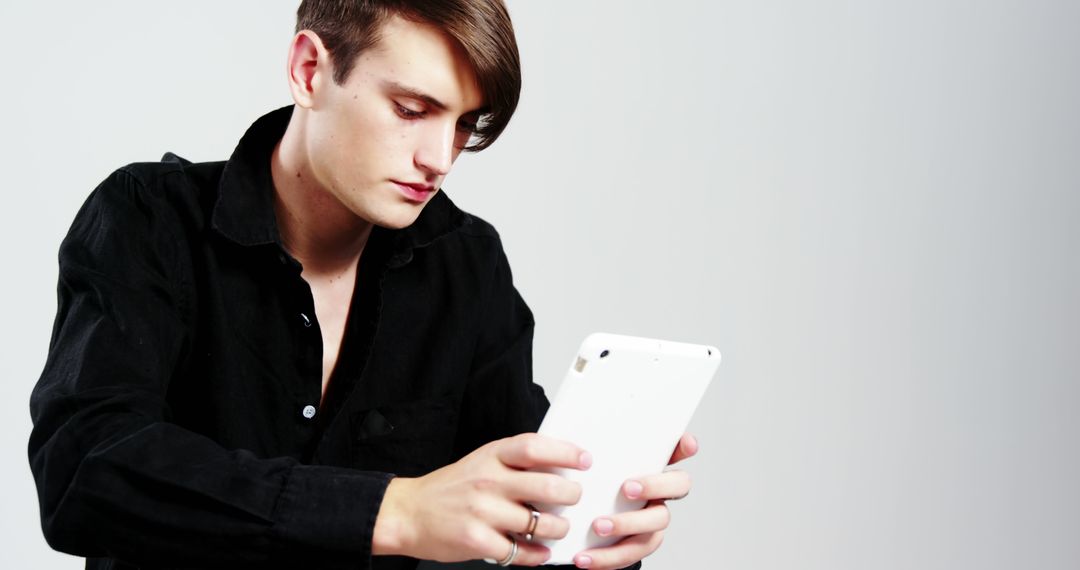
435,153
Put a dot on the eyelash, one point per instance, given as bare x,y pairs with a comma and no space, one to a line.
407,113
411,115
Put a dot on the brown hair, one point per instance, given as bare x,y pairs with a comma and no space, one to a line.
481,27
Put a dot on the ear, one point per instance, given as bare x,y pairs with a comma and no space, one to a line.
309,68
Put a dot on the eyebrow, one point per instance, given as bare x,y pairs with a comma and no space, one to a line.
417,94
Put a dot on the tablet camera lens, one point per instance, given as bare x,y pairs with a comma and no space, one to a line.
603,354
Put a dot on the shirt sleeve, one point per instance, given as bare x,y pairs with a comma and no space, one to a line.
501,399
114,477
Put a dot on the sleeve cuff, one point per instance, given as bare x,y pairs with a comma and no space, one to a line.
329,513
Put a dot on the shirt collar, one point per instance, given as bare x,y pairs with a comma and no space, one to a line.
244,211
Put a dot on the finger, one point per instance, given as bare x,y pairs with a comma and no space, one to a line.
517,519
531,554
489,543
667,485
652,518
542,488
548,527
621,554
529,450
687,447
551,527
527,554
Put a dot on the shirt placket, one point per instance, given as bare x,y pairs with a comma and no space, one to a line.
307,350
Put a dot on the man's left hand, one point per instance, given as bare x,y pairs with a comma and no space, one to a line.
643,530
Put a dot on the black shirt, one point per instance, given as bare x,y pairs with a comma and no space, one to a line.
177,422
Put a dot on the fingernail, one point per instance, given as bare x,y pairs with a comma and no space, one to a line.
604,527
585,460
582,561
633,490
693,447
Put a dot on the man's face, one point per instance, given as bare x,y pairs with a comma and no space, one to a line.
382,143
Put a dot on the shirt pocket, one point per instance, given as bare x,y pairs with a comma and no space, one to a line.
408,439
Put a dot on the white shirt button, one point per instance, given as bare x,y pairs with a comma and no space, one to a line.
309,412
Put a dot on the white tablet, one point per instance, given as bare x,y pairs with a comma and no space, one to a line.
627,401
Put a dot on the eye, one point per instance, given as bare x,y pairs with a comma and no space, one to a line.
407,113
464,126
469,122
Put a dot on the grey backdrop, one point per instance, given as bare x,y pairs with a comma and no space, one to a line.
870,207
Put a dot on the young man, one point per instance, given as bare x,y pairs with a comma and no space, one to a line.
307,355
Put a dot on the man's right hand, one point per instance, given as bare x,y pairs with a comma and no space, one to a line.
464,510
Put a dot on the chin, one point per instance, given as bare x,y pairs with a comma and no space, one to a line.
398,217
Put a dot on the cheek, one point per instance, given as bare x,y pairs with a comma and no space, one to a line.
382,135
362,146
337,162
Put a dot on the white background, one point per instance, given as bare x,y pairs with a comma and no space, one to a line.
870,207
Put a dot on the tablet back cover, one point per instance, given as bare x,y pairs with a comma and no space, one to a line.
627,401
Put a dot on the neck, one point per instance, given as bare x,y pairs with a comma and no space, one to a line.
324,235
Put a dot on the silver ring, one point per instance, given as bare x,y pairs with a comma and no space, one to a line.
534,519
513,553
